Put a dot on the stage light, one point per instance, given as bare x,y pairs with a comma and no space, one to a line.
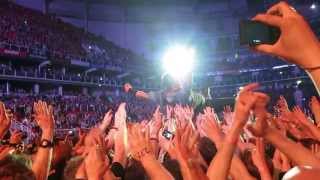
299,82
313,6
178,61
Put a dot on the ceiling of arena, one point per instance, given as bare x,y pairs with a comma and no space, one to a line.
158,10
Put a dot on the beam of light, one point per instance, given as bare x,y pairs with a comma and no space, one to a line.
178,61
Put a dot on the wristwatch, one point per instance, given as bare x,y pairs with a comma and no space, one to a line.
4,142
46,144
117,169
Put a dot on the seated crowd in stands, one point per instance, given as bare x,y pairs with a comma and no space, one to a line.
45,36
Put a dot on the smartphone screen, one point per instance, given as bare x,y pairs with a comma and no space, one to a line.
167,134
254,33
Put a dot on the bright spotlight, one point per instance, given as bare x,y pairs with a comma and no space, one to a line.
178,61
299,82
313,6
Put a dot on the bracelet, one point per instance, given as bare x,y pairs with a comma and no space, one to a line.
139,155
154,139
4,142
115,128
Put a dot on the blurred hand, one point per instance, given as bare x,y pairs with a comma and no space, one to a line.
44,116
140,145
315,108
295,32
96,163
94,137
5,119
156,123
16,137
300,116
227,117
106,121
169,111
315,149
184,144
183,115
245,102
127,87
81,134
258,154
120,116
209,127
280,161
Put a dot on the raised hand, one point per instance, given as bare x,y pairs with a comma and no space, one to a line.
169,111
315,108
95,136
96,163
294,33
180,116
315,149
141,150
106,121
120,116
5,119
127,87
156,123
282,104
119,136
139,143
209,127
184,149
44,117
308,129
259,160
227,118
301,117
246,101
280,161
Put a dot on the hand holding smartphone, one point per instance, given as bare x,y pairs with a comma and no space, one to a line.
167,134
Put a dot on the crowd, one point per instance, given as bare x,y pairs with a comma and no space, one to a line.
44,36
245,61
248,141
58,73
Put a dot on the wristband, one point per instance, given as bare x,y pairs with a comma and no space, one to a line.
46,144
115,128
4,142
139,155
117,169
154,139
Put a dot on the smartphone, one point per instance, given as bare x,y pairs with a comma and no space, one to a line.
253,33
167,134
70,133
